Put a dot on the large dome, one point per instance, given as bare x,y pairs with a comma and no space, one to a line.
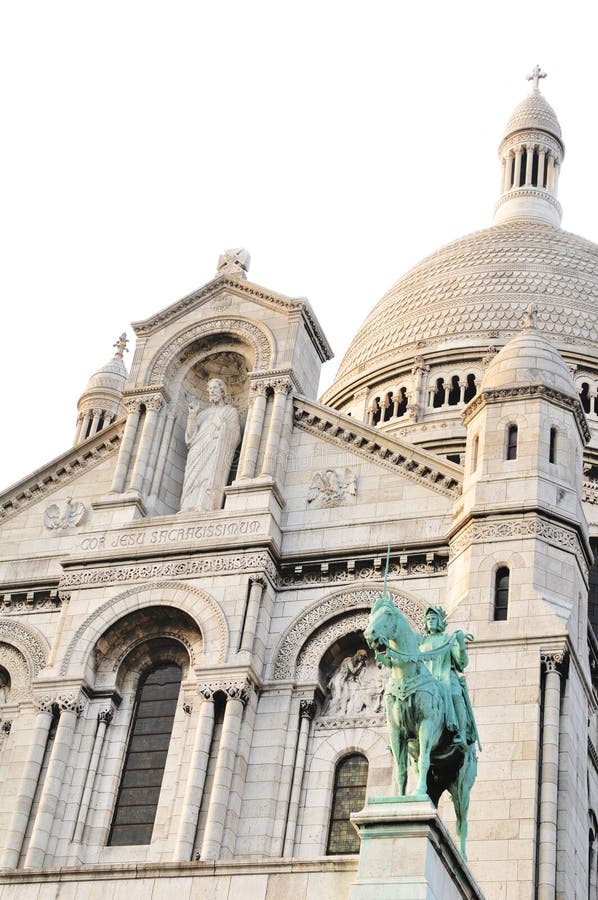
474,292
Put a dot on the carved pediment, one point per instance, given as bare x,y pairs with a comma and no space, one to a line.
398,456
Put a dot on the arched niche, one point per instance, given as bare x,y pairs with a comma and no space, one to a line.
303,643
23,652
203,610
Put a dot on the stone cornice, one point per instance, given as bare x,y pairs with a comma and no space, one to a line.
398,456
248,289
60,471
525,392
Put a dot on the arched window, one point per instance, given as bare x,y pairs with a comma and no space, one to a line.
349,796
455,391
137,801
402,402
439,394
552,447
501,594
512,442
585,396
377,410
470,388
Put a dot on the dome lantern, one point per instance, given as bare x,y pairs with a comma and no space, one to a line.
531,154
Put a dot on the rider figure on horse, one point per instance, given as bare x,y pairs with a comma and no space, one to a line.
446,666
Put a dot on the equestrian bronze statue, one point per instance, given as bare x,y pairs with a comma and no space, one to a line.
430,719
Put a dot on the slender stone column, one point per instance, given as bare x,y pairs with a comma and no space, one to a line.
517,175
253,431
549,778
61,748
153,405
28,785
162,454
95,421
550,174
307,709
196,776
78,429
258,583
124,456
238,695
104,719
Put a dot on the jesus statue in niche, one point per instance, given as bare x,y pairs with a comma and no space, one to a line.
212,437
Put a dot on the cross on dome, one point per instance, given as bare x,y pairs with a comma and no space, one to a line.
535,75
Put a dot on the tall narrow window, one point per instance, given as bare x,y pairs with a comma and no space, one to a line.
512,442
143,771
349,796
585,396
501,594
552,448
455,391
474,452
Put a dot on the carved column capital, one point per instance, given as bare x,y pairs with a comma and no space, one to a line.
6,726
554,660
154,402
258,578
281,386
107,714
206,692
44,704
187,707
258,389
132,404
307,709
75,702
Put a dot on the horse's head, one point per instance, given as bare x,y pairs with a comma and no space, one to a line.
382,624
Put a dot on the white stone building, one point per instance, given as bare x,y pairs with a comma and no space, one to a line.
187,703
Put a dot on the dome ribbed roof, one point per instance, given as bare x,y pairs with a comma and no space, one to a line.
529,359
478,288
534,112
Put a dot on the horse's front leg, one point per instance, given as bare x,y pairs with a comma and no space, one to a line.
426,736
398,746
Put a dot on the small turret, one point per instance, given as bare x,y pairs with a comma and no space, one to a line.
531,154
101,401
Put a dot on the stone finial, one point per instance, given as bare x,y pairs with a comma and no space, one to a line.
535,75
530,317
234,262
121,345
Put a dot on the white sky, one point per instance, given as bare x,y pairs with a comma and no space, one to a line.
340,142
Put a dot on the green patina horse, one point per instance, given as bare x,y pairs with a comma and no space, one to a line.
417,714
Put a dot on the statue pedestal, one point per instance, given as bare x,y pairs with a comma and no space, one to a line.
407,854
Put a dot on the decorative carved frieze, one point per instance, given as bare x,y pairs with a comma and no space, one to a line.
500,529
325,571
174,569
526,392
39,600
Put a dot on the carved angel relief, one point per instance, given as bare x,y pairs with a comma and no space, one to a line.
356,687
331,487
69,516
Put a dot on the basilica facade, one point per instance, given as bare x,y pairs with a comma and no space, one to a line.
187,700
